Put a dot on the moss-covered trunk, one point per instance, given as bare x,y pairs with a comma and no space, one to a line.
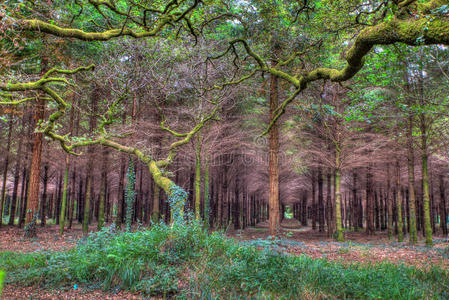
411,182
426,199
198,177
339,233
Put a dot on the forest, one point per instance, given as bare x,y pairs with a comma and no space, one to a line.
224,149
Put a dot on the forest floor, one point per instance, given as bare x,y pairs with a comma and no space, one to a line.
293,240
358,246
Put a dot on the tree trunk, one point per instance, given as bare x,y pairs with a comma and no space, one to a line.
206,193
443,208
34,183
339,228
389,205
320,201
370,227
103,183
72,196
235,204
425,184
198,177
329,209
313,210
5,170
354,202
273,197
411,183
64,195
14,205
44,197
399,203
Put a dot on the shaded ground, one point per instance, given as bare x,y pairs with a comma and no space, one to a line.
18,292
294,240
358,247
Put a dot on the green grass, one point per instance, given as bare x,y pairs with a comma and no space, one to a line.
188,262
2,278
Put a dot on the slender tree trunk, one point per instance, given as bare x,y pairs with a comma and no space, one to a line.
73,197
235,204
443,222
354,202
320,201
425,184
313,210
103,183
339,228
64,195
399,202
411,183
206,193
389,205
14,205
5,170
23,195
198,177
87,198
273,197
43,208
59,198
329,209
370,227
90,166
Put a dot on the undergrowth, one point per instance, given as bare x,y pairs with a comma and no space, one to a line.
185,261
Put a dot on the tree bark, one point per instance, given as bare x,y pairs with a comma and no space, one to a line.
44,197
103,184
64,195
411,182
34,183
5,170
443,208
198,177
14,205
370,226
339,228
273,169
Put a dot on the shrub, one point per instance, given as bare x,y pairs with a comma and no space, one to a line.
186,261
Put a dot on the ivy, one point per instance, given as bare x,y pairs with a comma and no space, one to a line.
176,199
